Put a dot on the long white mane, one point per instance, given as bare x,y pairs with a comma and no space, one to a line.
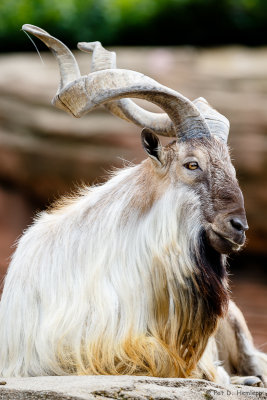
89,278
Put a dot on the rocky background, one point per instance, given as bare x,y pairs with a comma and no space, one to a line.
45,153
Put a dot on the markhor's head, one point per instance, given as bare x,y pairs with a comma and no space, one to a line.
198,159
202,165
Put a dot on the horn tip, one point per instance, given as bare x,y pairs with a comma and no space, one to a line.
27,27
87,46
202,99
35,30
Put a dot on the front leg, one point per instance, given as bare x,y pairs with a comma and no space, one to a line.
209,367
236,350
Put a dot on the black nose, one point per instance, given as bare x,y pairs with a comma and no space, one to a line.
238,224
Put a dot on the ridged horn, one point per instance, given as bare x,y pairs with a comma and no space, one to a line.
126,109
88,92
158,122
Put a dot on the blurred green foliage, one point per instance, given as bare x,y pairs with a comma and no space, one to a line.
136,22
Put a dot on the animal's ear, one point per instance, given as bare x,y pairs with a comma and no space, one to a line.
152,145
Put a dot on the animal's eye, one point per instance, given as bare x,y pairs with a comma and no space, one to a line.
191,165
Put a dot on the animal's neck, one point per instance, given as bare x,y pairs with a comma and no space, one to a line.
175,225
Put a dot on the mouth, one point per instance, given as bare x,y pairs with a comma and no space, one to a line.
224,244
235,246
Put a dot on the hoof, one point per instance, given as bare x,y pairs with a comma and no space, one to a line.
253,381
247,381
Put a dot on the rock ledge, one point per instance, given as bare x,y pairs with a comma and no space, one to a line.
121,388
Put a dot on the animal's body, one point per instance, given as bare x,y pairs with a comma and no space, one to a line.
107,273
129,277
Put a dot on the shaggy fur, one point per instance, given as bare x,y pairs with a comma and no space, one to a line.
122,279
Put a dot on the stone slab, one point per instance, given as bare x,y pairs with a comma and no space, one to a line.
122,388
